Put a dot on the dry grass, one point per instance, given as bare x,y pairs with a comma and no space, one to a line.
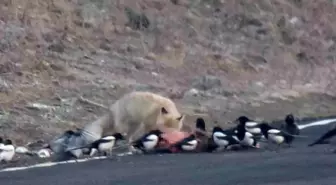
60,49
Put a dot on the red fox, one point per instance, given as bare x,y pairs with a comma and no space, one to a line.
135,114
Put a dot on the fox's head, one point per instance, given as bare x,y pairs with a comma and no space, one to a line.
170,119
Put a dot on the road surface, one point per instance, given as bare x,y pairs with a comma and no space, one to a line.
299,165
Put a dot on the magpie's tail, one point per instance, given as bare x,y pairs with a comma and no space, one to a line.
301,136
319,143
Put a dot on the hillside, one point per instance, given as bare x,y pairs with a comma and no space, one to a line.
215,58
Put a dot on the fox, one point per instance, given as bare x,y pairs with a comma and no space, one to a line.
134,114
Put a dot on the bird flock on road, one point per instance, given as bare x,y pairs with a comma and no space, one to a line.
246,134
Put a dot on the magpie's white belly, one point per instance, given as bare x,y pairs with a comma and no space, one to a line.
7,155
247,140
276,138
273,131
219,134
152,141
106,146
192,146
254,130
150,144
251,124
220,142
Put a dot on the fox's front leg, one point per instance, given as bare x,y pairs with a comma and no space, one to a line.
134,133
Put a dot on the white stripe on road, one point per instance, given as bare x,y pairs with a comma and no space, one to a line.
48,164
317,123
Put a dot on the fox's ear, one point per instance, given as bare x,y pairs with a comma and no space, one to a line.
180,121
180,118
164,110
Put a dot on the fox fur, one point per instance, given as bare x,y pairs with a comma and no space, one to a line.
134,114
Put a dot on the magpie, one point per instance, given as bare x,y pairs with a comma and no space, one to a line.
7,151
324,139
103,145
274,135
188,144
223,139
250,125
246,138
149,141
291,127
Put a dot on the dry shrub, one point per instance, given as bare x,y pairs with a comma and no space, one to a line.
54,46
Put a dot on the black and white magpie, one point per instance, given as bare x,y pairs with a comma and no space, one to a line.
250,125
325,138
291,127
7,151
148,141
246,138
103,145
188,144
275,135
223,139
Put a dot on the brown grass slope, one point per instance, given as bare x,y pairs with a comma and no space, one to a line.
217,58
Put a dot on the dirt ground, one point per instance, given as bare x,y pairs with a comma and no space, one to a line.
62,62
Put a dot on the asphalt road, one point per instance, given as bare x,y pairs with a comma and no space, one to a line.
299,165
